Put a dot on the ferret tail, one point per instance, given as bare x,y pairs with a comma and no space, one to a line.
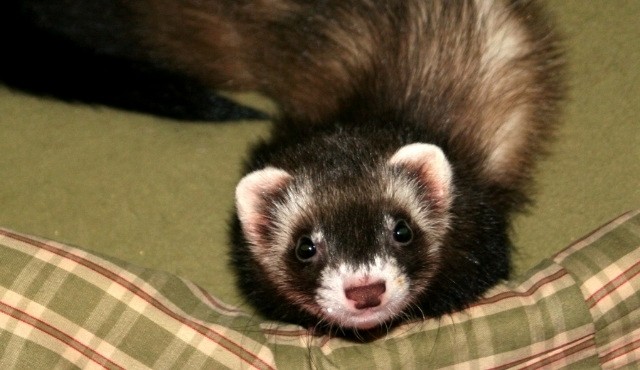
89,51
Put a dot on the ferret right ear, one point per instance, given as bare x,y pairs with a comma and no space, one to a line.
433,169
253,194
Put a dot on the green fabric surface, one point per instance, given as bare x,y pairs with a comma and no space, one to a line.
158,193
593,172
114,181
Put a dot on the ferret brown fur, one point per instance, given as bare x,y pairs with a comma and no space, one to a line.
407,136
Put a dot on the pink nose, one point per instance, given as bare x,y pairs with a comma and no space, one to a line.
366,296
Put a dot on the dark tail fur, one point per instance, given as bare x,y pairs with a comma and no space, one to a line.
87,51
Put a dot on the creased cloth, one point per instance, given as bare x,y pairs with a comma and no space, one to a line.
64,307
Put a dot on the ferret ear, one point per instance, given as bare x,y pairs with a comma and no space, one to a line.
252,199
432,167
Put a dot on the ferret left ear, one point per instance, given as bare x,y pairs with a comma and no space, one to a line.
432,167
254,194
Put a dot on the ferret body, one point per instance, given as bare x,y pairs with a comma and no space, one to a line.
407,136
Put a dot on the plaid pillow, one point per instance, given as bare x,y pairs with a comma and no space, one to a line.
65,307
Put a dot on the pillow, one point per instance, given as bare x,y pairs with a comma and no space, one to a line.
62,306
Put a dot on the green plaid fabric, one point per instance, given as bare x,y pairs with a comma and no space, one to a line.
63,307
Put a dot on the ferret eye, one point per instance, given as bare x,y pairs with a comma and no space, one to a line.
402,233
305,249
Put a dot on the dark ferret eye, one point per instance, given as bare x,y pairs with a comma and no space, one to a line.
402,233
305,249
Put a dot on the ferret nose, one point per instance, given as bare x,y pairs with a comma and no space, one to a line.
366,296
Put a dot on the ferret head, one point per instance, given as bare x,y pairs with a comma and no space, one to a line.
354,249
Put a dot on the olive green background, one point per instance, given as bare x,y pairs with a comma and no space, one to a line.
158,193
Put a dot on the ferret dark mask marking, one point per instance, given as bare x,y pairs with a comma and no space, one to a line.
359,272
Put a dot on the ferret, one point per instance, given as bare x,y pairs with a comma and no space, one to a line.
406,139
